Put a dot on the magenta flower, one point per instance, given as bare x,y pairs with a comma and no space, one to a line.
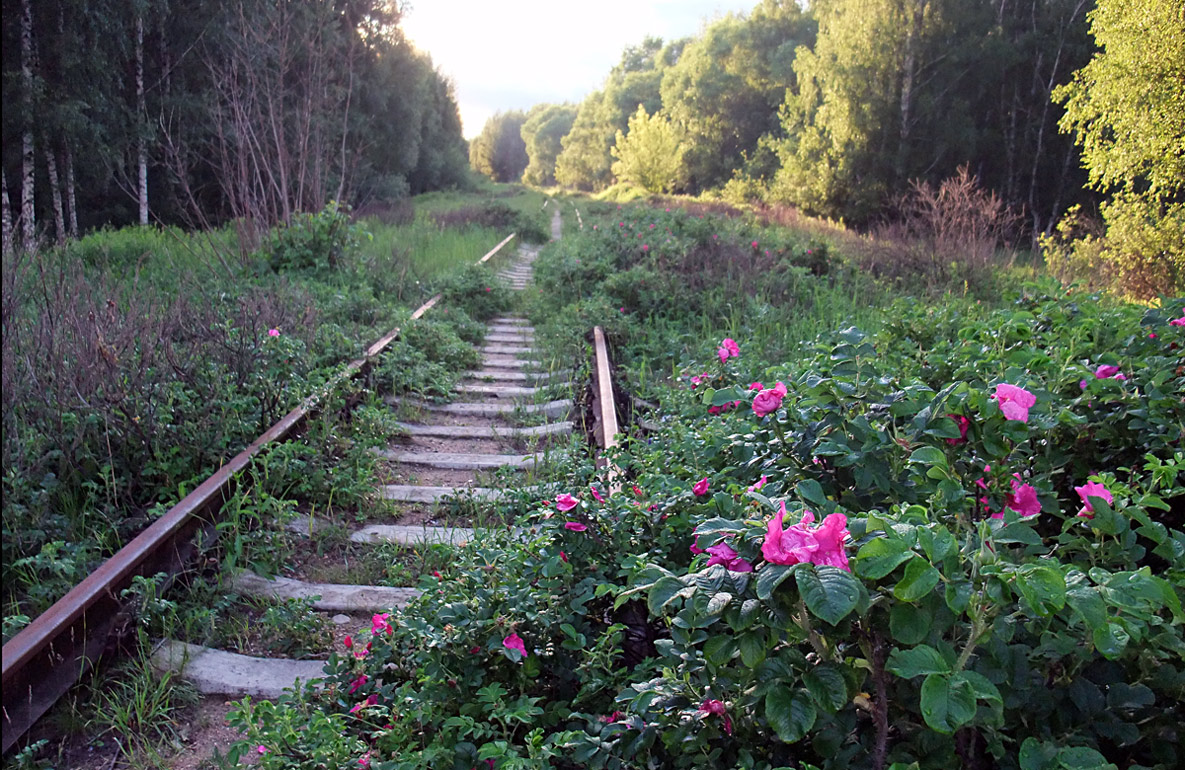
575,526
700,487
354,685
1014,402
262,749
722,553
1089,490
596,495
963,423
373,699
769,400
710,707
756,487
1023,499
695,549
364,760
757,386
515,642
800,543
730,344
1178,321
378,623
1108,371
273,332
565,502
645,247
754,244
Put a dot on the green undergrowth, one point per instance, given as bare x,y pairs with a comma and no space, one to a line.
982,567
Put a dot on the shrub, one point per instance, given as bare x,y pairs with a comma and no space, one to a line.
313,242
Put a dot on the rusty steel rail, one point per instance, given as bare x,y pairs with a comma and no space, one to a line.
604,407
52,653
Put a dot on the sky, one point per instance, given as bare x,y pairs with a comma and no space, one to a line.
512,54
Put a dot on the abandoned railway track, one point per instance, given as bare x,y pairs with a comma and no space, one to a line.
443,450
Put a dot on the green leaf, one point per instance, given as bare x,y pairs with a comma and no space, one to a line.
770,576
1086,601
916,661
918,581
830,593
718,602
1035,755
662,592
1043,587
827,686
910,623
1110,639
719,649
811,491
790,713
948,702
752,646
879,557
1019,532
928,455
1083,758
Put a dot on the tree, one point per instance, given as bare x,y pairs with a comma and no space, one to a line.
585,162
650,155
499,152
724,91
543,132
882,101
1126,109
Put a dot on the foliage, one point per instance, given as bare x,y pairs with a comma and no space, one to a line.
313,242
957,638
1126,110
585,161
545,127
650,155
499,151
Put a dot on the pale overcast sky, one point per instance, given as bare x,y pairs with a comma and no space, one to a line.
511,54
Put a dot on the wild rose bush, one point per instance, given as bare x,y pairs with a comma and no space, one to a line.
892,561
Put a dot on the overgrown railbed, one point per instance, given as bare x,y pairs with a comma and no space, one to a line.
990,574
135,362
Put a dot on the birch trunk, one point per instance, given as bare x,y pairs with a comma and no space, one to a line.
141,112
7,214
71,198
28,213
55,192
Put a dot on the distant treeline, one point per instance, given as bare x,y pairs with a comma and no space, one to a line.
183,111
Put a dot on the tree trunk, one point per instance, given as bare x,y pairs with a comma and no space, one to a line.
913,33
55,192
7,213
71,198
141,113
28,214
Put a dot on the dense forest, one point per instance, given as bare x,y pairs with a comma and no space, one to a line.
189,112
842,107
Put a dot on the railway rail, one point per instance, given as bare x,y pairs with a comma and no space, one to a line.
52,653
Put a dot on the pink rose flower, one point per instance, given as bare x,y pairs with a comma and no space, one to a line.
700,488
262,749
761,483
354,685
596,495
379,624
515,642
768,401
575,526
710,707
963,424
823,545
1023,499
1014,402
695,549
722,553
1178,321
565,502
1088,490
